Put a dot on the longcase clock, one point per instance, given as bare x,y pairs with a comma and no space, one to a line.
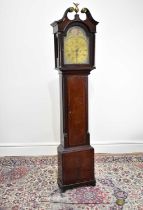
74,44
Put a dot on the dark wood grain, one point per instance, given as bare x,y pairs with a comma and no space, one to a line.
77,115
75,155
76,167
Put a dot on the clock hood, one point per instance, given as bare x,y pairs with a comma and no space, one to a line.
62,24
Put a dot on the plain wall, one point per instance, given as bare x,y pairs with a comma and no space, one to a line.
29,85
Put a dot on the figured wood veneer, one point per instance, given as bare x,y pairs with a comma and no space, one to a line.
75,155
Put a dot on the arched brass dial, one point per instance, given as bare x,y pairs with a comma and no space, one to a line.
76,46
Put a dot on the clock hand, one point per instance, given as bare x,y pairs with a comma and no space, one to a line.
76,51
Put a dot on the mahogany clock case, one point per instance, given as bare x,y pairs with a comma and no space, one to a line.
75,154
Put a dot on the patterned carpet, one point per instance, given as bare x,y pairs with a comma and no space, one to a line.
29,183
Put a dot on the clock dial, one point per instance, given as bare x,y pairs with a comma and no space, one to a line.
76,46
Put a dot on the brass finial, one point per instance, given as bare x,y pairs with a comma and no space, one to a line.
76,9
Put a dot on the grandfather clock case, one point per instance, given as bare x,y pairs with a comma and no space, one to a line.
74,45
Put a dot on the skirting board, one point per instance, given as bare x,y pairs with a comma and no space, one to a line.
51,148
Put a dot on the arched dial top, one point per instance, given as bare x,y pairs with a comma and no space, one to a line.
76,46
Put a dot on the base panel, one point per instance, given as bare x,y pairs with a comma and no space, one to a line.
75,167
63,188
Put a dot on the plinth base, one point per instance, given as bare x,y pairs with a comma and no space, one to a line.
63,188
75,167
